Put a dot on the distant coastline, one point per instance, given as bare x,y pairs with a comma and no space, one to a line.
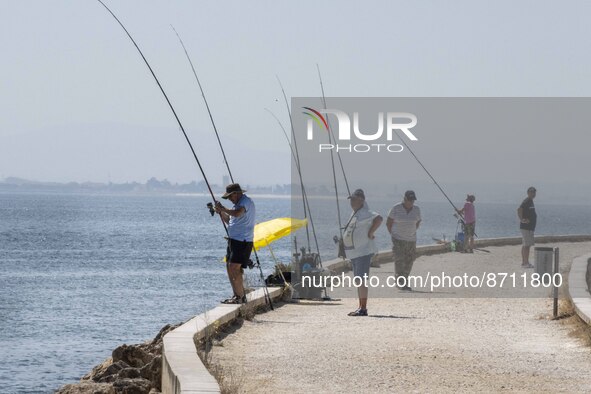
152,185
550,191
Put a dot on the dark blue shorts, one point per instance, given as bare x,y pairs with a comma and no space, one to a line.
238,252
361,265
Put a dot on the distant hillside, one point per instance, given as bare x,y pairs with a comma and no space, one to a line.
152,185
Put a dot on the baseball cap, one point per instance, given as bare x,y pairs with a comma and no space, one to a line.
410,195
358,193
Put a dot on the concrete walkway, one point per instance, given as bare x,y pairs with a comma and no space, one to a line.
413,344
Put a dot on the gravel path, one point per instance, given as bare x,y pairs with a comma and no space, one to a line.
412,344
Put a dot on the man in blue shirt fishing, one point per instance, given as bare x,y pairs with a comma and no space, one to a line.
240,220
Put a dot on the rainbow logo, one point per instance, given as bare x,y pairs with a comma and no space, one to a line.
317,117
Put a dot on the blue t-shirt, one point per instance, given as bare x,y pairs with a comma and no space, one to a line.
242,228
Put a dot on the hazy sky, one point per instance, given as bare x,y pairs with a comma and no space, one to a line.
79,104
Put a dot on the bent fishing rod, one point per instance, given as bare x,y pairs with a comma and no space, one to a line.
427,171
331,132
432,178
169,105
304,196
296,158
206,104
305,200
295,146
297,163
258,263
331,137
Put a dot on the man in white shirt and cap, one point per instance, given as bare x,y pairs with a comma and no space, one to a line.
358,240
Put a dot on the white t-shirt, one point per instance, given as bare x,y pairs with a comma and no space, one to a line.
405,223
355,236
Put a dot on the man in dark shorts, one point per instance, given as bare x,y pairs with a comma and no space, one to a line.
527,224
240,220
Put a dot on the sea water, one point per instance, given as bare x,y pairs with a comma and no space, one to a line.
82,274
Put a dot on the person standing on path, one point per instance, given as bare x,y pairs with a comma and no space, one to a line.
240,220
469,227
358,240
403,222
527,224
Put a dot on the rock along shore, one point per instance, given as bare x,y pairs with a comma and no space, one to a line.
132,369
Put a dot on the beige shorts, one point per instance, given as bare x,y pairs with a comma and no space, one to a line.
528,237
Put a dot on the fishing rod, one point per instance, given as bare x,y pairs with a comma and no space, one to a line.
304,194
432,178
336,192
258,262
298,164
267,296
331,132
296,160
206,104
331,137
297,154
427,171
170,106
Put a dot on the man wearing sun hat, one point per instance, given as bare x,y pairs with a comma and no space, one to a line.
402,224
240,220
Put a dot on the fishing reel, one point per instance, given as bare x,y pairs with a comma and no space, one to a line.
211,208
341,247
249,264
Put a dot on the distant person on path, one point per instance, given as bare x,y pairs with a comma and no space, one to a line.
527,224
469,227
358,240
403,221
240,220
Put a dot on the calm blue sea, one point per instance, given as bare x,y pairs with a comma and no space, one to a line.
83,274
